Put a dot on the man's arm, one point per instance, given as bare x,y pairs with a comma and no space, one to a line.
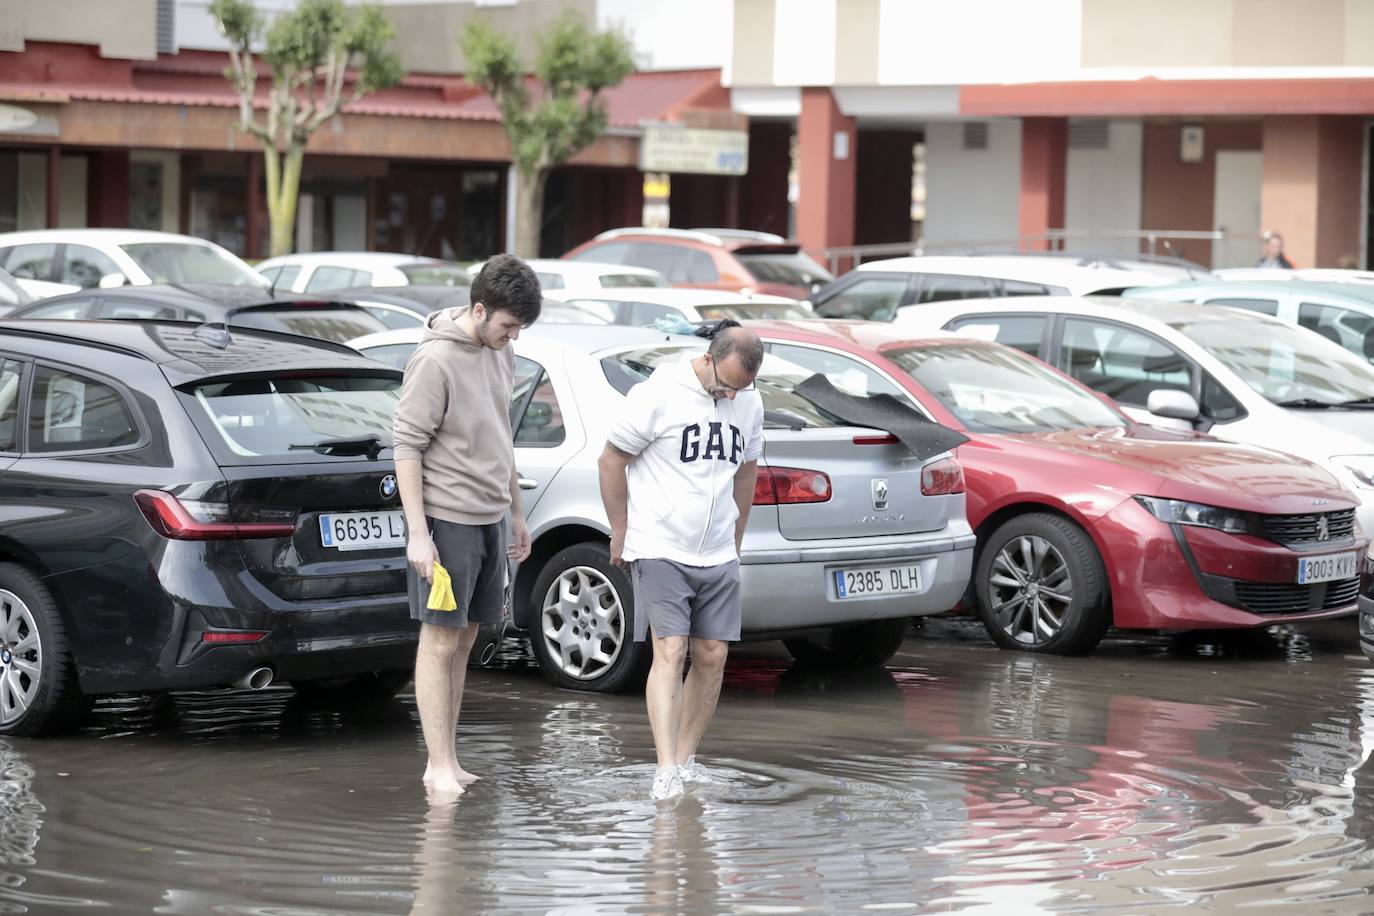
420,550
519,549
744,498
615,495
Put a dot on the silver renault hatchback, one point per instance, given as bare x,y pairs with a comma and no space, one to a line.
850,534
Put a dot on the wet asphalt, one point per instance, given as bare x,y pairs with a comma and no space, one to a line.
1159,775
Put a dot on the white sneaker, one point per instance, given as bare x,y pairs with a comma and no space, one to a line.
691,771
667,784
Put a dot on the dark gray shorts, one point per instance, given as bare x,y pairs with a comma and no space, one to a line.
475,557
679,600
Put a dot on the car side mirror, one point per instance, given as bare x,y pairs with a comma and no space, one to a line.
1174,404
112,281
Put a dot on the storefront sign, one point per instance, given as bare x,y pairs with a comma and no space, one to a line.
692,150
14,119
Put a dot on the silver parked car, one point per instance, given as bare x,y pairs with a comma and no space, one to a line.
850,534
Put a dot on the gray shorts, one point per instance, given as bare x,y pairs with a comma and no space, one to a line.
679,600
475,557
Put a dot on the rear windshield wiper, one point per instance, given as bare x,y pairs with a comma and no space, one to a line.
371,446
784,419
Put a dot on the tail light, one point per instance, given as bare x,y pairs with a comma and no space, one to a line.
232,637
942,478
785,486
194,521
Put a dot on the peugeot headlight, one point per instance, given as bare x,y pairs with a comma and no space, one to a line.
1178,512
1361,467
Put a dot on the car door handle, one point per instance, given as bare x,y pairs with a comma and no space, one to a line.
527,483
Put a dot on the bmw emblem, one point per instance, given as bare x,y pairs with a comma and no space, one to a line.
388,486
5,657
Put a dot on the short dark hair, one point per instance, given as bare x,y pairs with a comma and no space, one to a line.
743,343
508,284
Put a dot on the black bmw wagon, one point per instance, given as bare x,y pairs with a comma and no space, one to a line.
183,506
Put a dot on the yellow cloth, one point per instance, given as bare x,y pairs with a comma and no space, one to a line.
441,590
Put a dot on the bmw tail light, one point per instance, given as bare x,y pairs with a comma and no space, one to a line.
942,478
786,486
195,521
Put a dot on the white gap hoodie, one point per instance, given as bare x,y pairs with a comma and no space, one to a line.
688,447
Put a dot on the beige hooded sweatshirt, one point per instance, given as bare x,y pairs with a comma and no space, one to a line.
454,418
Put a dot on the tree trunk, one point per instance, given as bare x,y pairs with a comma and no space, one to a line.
283,191
529,211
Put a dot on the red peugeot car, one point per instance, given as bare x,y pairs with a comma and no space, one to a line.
1086,520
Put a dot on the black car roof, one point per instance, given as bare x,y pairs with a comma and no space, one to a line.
208,298
185,356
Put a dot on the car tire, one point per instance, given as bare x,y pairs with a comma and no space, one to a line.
583,603
863,645
370,685
1041,586
36,663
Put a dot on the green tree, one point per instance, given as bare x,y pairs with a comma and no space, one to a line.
309,51
564,116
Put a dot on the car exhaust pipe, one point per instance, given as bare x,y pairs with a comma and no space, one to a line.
256,679
489,640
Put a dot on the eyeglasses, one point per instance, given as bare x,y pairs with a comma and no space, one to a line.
722,385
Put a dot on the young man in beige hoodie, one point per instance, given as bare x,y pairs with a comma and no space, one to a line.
455,464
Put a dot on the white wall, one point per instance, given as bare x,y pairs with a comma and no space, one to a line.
972,195
1103,187
670,34
171,184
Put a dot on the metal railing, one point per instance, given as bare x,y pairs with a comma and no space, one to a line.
1149,243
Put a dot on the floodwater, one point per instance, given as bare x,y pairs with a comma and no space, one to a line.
1159,775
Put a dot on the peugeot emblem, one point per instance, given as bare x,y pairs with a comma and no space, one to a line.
388,486
879,493
1323,528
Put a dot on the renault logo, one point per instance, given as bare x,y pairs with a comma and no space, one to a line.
879,493
388,486
1323,528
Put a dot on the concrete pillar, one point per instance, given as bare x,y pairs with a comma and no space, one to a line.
1044,155
1310,191
826,153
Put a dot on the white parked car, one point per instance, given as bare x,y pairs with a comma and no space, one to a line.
814,522
1320,274
642,307
325,271
877,289
91,258
1235,374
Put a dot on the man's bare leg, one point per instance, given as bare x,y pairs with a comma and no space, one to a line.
434,696
663,695
699,695
458,675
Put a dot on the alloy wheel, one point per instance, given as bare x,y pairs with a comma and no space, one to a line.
583,623
21,657
1030,589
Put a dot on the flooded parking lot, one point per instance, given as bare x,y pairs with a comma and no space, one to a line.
1159,774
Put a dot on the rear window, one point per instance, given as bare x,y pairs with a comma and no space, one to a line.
264,417
436,274
777,380
189,262
794,269
339,325
746,310
631,281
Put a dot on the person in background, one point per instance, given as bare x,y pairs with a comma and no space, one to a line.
1272,255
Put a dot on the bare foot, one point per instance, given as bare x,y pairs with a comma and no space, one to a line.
465,777
444,783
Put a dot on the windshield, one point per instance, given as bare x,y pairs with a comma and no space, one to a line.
746,310
264,416
436,274
792,268
188,262
993,389
1282,362
776,382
